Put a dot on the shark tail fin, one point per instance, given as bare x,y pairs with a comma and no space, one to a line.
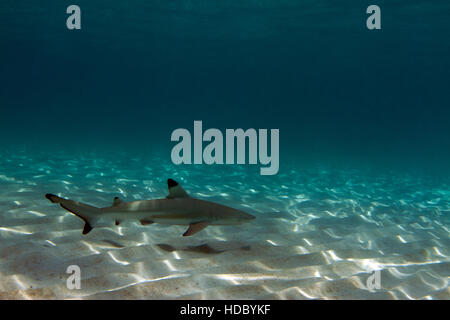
83,211
53,198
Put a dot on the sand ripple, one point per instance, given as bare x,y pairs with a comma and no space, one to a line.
319,233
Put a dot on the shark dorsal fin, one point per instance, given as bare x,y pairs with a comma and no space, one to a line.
175,190
117,201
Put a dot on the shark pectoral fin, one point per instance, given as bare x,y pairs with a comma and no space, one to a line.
195,227
145,222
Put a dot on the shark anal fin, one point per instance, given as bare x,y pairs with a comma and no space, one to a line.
195,227
175,190
145,222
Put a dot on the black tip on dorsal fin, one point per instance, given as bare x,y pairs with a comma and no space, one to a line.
171,183
116,201
175,190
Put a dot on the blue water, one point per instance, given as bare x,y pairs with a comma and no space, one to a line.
363,115
135,72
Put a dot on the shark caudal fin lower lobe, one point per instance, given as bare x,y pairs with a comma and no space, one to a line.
81,210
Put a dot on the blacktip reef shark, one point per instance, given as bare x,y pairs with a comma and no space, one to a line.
178,208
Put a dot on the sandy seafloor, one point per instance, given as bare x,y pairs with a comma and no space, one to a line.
318,233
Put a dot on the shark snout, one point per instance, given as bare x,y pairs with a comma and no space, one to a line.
245,217
250,217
